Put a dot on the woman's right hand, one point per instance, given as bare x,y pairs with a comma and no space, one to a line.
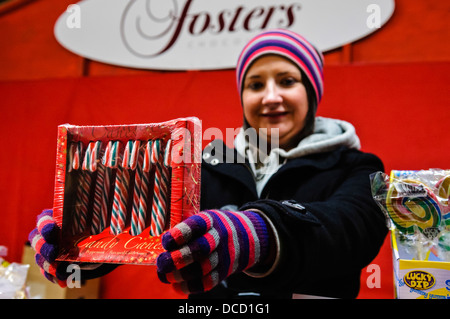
44,239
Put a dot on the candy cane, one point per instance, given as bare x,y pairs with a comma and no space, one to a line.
101,197
72,150
82,195
139,214
119,209
127,155
147,164
110,161
160,191
105,199
146,167
83,192
91,157
111,158
167,154
167,163
98,198
74,156
82,202
137,220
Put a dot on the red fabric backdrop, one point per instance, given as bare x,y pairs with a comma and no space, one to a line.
399,112
397,101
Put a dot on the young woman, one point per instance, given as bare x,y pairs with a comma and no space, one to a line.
295,217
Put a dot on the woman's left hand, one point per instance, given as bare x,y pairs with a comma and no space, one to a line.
210,246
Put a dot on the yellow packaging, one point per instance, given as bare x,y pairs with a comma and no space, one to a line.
419,279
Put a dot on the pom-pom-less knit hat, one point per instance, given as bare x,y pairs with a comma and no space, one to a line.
287,44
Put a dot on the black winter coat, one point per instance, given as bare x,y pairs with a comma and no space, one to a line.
321,205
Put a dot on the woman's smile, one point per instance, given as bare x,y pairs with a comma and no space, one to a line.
275,116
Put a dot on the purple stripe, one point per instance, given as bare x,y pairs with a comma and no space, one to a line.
243,240
224,258
313,68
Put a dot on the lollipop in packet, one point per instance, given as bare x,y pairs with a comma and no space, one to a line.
416,204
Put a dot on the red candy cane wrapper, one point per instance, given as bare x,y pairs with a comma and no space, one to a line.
110,229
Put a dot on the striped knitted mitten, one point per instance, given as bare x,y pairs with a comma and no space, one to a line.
208,247
44,239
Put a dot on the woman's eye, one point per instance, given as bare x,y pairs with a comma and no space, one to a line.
288,81
255,86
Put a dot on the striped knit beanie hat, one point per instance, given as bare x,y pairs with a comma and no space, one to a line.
289,45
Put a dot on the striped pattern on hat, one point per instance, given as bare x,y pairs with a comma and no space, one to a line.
289,45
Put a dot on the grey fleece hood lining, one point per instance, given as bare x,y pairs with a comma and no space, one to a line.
329,134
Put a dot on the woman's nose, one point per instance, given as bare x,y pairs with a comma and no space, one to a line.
272,94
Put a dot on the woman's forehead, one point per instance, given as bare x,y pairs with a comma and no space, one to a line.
270,64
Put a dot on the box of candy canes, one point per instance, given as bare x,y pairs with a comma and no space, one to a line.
418,209
119,187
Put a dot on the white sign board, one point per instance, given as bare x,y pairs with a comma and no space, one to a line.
206,34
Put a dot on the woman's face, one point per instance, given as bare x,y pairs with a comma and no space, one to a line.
273,96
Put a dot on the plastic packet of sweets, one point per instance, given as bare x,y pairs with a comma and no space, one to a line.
417,205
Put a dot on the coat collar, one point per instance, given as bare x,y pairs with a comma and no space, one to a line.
218,157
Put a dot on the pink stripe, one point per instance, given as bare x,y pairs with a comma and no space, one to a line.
178,259
177,235
231,247
211,241
39,243
206,266
52,270
170,277
251,239
207,218
62,283
207,283
43,223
